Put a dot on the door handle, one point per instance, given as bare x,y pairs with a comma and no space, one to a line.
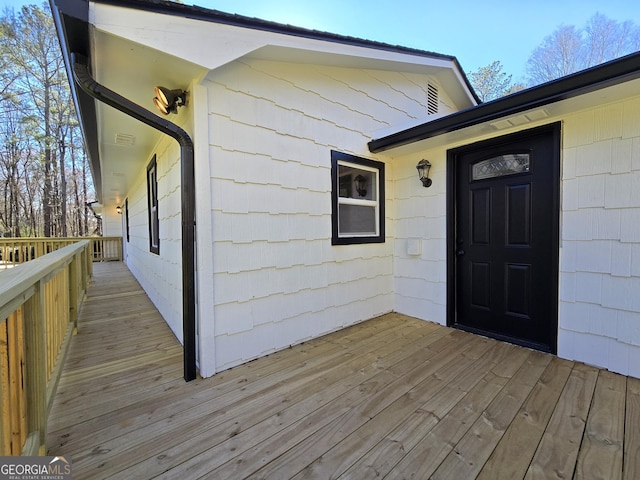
459,252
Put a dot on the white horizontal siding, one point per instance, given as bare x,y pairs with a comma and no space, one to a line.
277,280
600,282
420,285
159,275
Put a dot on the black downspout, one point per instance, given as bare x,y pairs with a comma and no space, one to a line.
188,200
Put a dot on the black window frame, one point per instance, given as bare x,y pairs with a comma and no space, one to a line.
152,204
337,239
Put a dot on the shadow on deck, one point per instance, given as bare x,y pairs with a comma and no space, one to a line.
393,397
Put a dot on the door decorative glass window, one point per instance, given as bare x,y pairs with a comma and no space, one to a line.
502,165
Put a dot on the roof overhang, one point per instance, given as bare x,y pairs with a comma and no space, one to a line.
134,45
615,80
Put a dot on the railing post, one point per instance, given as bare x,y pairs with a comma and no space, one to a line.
36,361
83,270
87,266
74,290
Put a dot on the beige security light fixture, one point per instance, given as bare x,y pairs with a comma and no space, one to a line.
167,101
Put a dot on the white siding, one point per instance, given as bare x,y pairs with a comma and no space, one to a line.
159,275
112,223
420,253
277,279
600,287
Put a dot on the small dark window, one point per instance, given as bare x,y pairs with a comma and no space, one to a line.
126,217
152,195
357,200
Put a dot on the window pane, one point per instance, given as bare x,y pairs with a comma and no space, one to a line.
356,220
155,234
357,183
502,165
152,196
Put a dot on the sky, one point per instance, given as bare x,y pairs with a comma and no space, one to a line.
476,32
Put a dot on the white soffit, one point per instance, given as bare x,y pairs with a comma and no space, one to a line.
520,119
131,70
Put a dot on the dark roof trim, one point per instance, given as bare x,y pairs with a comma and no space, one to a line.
606,75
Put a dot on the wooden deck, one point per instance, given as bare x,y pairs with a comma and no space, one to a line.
390,398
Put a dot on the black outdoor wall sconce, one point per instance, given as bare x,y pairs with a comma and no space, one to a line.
423,172
361,184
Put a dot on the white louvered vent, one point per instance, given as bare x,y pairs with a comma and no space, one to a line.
125,139
432,99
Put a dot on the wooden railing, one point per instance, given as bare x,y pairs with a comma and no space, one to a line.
105,249
39,303
14,251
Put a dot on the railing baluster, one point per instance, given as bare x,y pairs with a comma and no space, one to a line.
74,290
36,381
16,362
5,417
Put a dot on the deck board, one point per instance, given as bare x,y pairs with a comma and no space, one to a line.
412,415
430,451
327,452
603,441
393,397
632,431
516,448
475,447
557,452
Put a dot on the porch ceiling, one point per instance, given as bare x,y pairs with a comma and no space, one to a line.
132,70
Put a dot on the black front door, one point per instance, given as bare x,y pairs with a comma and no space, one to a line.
504,242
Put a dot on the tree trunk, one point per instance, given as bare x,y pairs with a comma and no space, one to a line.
63,192
76,194
46,192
